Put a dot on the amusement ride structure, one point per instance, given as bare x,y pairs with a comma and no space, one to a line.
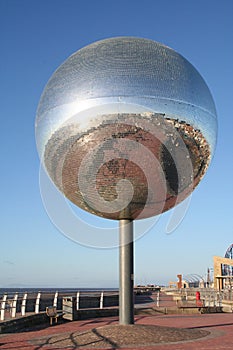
226,269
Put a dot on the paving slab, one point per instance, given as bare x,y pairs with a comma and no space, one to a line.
216,331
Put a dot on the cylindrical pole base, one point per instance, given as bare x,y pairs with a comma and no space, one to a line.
126,260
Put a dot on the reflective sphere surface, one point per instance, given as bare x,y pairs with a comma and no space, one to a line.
126,128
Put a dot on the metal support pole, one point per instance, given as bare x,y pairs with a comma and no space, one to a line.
3,306
101,300
126,259
37,305
14,305
23,306
55,299
77,302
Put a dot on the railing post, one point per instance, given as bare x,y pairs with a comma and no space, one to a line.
101,300
55,299
77,301
14,304
3,306
220,300
23,306
158,299
37,306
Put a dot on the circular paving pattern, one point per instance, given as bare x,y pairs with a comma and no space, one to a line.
119,336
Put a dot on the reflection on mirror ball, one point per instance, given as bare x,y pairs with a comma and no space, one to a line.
126,128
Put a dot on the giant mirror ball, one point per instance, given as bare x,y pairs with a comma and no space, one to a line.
126,128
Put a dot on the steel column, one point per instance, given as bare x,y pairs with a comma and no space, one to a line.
126,278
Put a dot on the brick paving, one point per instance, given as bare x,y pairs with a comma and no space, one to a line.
94,333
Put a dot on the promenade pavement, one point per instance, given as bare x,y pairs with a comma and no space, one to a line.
84,334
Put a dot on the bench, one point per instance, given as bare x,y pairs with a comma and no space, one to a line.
52,313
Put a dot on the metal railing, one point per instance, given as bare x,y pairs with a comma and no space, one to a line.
22,304
210,297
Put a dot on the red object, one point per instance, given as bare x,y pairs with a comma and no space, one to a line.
198,296
199,303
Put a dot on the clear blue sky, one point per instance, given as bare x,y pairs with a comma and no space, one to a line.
36,37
